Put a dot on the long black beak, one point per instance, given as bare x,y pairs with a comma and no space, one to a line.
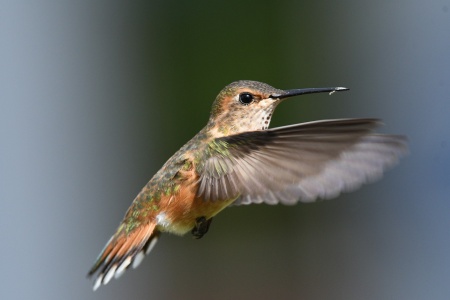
297,92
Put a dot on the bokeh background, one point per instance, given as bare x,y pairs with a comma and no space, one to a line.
96,95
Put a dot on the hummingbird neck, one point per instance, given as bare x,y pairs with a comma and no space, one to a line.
230,124
217,129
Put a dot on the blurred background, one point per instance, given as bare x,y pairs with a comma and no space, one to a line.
96,95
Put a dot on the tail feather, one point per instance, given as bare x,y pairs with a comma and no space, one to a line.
122,251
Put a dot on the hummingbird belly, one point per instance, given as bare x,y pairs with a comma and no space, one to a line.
178,213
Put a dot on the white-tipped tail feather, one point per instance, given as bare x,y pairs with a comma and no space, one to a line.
123,251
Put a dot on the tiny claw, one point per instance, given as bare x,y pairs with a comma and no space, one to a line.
201,227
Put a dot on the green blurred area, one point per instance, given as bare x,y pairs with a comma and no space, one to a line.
195,50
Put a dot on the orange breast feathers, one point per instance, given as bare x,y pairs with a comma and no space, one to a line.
179,211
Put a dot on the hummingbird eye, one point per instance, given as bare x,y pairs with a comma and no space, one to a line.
246,98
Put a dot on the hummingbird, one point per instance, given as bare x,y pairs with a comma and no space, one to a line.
237,160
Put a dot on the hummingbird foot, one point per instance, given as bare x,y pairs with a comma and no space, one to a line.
201,227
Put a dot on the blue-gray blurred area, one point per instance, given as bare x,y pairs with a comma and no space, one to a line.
96,95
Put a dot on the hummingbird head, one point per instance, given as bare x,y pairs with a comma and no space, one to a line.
248,106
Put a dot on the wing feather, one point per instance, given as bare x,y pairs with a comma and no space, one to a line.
302,162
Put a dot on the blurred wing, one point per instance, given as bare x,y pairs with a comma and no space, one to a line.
301,162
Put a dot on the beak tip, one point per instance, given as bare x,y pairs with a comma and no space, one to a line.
338,89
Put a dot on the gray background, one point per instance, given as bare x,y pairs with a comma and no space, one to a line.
96,95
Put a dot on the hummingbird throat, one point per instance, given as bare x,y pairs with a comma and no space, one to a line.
237,118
